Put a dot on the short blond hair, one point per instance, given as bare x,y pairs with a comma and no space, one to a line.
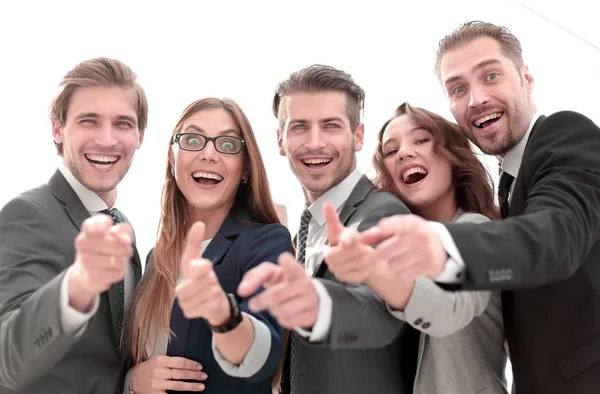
98,72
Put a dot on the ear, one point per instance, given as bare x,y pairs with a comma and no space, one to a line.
57,133
171,157
527,79
280,142
141,139
359,136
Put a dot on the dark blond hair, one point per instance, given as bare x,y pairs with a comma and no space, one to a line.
319,78
98,72
472,183
469,31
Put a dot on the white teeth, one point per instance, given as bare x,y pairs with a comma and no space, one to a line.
413,170
479,121
207,175
316,161
103,159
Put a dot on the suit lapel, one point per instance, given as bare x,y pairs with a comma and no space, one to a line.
78,213
358,195
216,249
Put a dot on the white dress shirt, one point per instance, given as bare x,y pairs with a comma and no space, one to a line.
454,269
316,240
73,321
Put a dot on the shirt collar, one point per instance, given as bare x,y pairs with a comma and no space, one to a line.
337,195
89,199
513,158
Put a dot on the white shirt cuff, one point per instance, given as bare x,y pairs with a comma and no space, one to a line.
73,322
454,270
255,358
323,324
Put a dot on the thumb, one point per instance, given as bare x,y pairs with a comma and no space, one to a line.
291,268
333,224
123,232
192,248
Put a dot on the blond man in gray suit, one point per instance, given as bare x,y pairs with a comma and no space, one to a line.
68,263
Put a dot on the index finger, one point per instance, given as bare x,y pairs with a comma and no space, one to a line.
193,247
264,273
97,225
179,363
332,223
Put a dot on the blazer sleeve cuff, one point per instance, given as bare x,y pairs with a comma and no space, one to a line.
322,326
454,270
73,322
255,358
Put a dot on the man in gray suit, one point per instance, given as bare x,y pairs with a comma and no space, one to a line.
65,277
320,132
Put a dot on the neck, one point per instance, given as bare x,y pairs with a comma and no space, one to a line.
212,219
442,210
109,198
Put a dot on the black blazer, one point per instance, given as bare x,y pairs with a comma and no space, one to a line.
546,258
238,246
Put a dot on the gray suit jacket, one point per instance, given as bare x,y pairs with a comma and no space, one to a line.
37,232
321,369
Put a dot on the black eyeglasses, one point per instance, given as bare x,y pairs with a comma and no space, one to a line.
196,142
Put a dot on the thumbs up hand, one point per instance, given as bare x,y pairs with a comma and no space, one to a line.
347,257
200,293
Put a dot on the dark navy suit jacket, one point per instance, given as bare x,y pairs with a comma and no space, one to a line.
238,246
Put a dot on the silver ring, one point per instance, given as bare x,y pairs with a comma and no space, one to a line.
170,373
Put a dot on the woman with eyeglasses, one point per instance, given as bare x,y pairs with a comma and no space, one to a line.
188,331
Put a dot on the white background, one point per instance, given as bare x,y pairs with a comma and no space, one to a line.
186,50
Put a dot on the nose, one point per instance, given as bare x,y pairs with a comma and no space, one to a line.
405,153
316,139
477,96
105,136
209,153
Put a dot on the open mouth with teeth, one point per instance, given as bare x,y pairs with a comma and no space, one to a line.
207,178
101,161
487,120
414,175
316,164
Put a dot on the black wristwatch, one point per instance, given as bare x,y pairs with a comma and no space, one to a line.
234,321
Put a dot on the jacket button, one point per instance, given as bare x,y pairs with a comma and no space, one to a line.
426,325
418,321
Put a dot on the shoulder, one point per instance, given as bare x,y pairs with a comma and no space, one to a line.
384,201
566,127
30,203
472,217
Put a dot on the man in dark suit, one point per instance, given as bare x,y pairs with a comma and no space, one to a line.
545,256
65,277
320,132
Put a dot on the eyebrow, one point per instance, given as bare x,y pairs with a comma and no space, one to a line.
326,120
475,68
411,131
223,132
84,115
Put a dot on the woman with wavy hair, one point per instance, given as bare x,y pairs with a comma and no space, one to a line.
187,329
426,162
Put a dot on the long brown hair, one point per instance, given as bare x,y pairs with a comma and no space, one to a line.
472,183
153,299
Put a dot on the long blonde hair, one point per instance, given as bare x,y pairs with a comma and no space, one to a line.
153,299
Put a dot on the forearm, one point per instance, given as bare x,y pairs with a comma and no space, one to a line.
234,345
36,337
394,290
